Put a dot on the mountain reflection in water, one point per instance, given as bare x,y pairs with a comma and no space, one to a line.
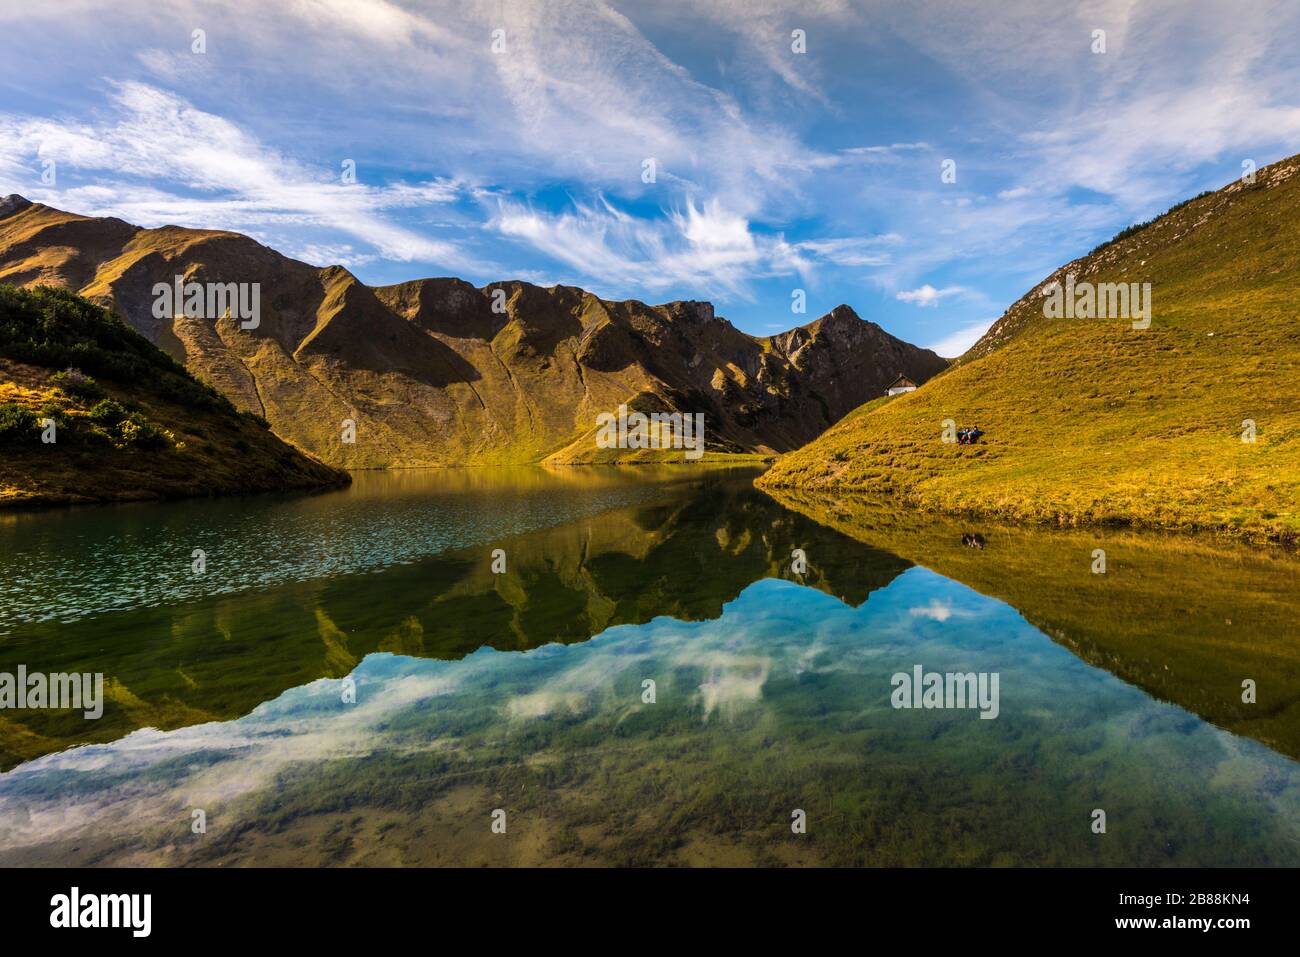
527,691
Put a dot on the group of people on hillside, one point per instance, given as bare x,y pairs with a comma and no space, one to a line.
968,436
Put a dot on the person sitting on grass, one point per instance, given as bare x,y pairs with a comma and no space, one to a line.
974,435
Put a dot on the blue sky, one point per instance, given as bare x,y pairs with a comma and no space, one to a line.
774,170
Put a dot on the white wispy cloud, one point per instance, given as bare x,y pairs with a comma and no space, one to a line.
574,93
764,30
892,149
957,342
927,295
221,176
851,251
783,157
704,247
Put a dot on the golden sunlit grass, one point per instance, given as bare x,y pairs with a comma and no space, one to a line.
1092,421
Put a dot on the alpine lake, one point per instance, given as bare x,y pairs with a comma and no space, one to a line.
640,666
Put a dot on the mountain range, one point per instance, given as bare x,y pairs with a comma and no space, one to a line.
440,372
1190,420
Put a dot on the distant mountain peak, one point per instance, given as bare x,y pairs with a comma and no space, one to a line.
841,315
13,203
698,310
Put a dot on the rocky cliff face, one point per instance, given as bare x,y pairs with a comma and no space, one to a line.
438,372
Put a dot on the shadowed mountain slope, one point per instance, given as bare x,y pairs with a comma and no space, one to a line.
438,372
90,411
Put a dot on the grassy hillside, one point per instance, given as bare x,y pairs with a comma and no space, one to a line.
1093,421
127,421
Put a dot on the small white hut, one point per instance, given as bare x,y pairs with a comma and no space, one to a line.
901,384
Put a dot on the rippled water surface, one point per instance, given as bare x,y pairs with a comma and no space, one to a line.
61,565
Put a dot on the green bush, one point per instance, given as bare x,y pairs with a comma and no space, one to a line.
108,412
135,430
56,411
58,329
77,385
18,426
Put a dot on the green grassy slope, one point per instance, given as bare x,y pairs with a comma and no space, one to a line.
1091,420
128,422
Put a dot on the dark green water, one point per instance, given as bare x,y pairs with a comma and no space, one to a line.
62,565
525,692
